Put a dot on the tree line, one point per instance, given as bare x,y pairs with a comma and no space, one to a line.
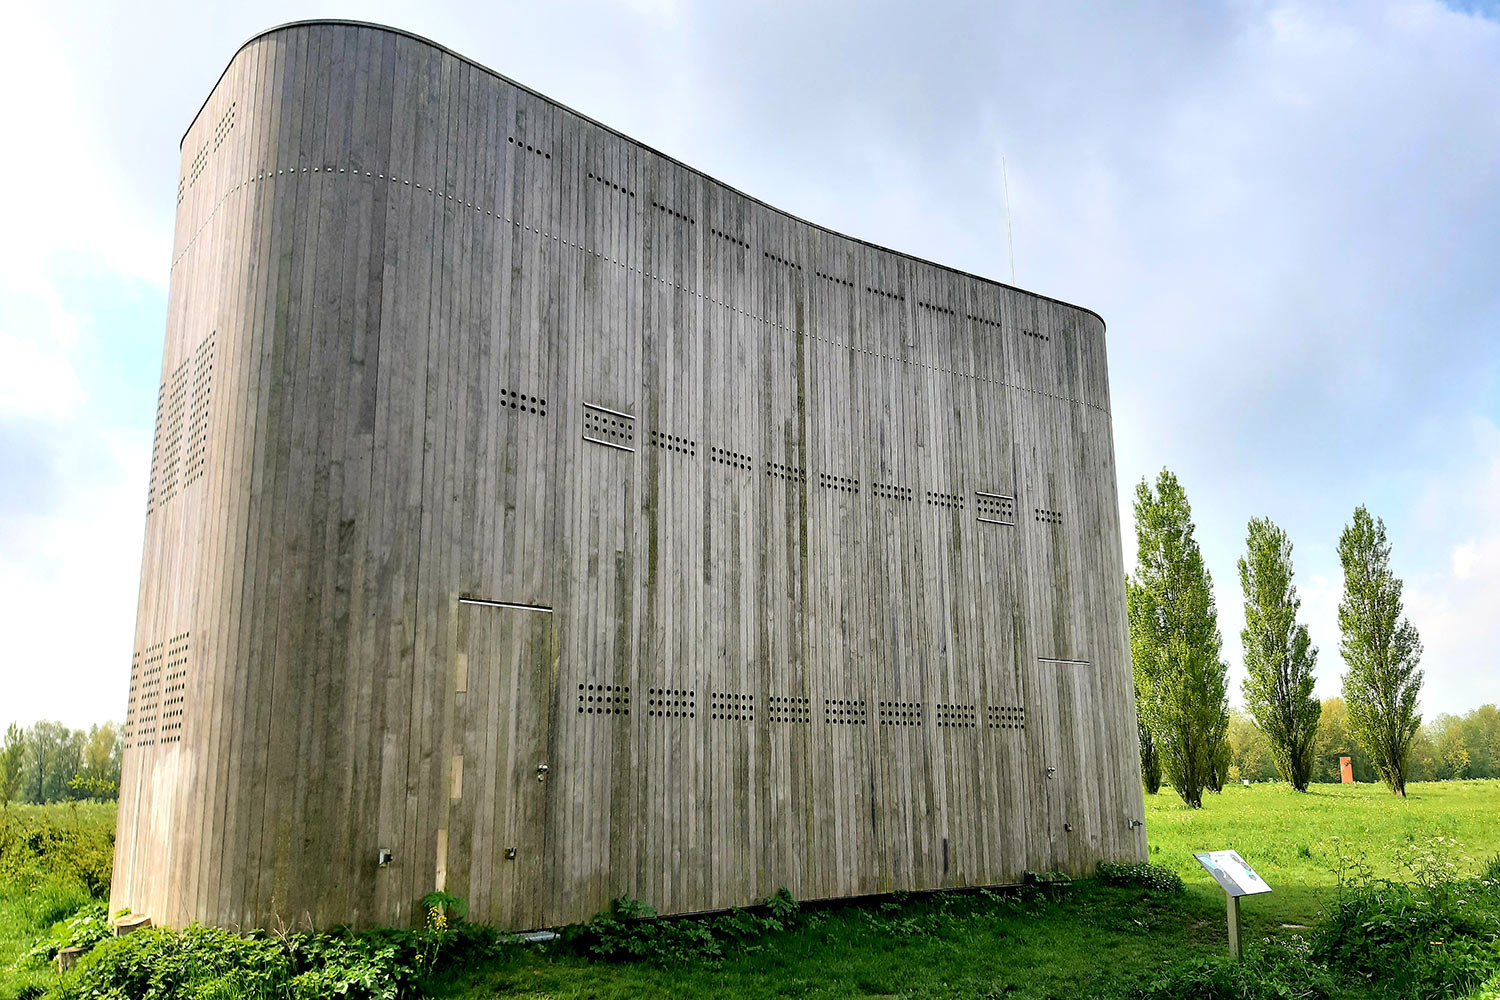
1449,748
48,762
1185,725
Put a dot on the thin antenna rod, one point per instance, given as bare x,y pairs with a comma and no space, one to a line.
1009,240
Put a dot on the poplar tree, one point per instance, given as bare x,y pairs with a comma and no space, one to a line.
1279,656
1381,650
1175,641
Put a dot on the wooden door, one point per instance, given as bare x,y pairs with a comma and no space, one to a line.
501,789
1068,770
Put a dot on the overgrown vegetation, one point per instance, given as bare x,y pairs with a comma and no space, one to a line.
1132,932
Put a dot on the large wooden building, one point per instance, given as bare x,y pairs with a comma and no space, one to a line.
536,517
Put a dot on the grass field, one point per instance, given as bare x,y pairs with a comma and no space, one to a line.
1079,941
1091,941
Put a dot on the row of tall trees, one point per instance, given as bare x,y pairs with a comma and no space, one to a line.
49,762
1448,747
1181,679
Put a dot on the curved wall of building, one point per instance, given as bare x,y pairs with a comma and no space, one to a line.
570,525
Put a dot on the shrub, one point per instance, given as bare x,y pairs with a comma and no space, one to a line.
1277,969
1425,933
630,931
1152,878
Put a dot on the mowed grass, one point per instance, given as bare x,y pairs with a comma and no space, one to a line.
1294,840
1087,941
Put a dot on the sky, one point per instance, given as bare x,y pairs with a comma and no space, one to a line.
1287,213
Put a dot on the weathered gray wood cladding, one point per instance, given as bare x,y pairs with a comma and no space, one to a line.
572,525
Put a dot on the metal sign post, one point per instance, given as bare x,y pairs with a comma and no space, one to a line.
1237,879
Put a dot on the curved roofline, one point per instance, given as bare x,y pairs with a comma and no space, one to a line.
312,22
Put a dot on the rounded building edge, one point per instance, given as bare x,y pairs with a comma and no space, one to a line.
402,32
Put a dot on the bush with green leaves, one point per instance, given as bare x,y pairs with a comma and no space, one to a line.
1426,932
630,931
1152,878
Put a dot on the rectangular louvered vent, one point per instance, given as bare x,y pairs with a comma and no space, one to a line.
603,699
608,427
845,711
900,713
995,508
957,716
671,703
1006,716
788,708
731,706
733,459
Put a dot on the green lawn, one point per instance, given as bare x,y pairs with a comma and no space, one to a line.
1078,941
1091,941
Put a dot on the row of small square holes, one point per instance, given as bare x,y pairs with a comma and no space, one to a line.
673,212
840,483
987,322
673,703
731,707
950,500
731,239
837,281
936,308
1038,336
893,296
733,459
781,260
172,695
1048,516
603,699
900,713
611,184
529,148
